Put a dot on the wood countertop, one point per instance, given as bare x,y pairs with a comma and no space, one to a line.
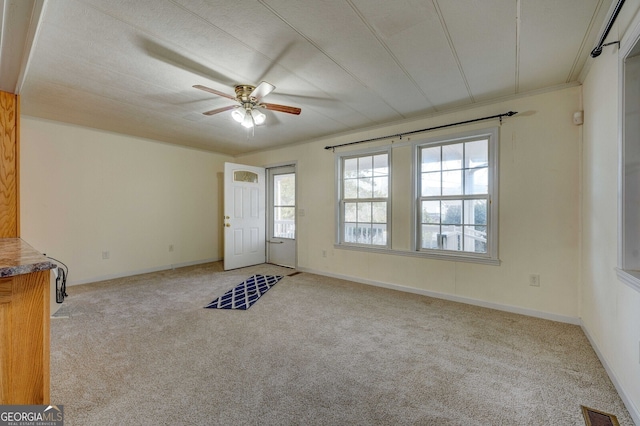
18,258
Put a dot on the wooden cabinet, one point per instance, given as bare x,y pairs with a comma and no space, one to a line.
24,282
24,329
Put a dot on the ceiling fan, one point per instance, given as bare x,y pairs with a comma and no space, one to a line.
248,112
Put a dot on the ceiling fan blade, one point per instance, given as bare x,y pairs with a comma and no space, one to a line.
215,92
262,90
223,109
173,58
282,108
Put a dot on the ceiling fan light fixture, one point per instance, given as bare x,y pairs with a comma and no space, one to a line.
258,117
238,114
247,121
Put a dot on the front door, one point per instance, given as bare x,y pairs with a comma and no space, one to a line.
244,216
281,232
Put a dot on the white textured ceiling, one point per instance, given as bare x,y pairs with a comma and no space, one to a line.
128,66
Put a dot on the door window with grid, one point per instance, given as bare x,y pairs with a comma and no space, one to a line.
455,194
364,201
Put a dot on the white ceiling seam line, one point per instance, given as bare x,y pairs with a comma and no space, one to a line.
391,54
313,43
30,43
325,53
209,23
453,50
585,39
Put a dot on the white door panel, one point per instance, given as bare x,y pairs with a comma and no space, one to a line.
244,217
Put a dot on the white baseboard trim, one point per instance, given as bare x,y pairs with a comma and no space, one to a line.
140,272
628,402
451,297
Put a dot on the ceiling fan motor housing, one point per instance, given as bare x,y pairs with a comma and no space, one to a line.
243,92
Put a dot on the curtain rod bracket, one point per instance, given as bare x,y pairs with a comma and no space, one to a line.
598,49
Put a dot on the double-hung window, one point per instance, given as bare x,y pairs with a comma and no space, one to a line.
446,205
457,197
364,199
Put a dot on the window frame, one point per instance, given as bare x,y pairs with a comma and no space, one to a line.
273,206
492,196
629,49
340,211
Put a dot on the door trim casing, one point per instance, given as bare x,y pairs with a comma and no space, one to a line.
268,216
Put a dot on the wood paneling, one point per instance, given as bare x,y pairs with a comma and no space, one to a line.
8,165
6,286
24,299
24,353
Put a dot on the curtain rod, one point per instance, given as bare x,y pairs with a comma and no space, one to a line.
400,135
598,49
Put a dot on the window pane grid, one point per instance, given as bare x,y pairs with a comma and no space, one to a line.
365,191
284,201
454,196
459,225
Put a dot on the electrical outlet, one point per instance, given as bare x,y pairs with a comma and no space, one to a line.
105,254
170,247
534,280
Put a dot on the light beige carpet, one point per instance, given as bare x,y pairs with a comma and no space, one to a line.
312,351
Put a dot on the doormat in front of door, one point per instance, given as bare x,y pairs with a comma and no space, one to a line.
246,293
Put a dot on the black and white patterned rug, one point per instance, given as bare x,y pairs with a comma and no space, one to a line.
246,293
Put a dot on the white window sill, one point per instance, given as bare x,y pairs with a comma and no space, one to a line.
438,256
631,278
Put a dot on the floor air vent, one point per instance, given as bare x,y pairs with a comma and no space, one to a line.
598,418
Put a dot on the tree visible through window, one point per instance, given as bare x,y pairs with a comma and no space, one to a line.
454,196
364,201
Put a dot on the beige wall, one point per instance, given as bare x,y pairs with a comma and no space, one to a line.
85,191
539,211
610,310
